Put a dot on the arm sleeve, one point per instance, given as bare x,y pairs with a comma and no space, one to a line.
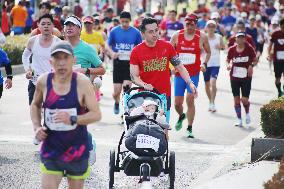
26,58
8,69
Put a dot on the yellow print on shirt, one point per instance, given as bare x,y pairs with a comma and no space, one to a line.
156,64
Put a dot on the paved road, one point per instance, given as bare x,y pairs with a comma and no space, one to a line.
215,135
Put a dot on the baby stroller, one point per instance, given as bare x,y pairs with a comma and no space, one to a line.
147,154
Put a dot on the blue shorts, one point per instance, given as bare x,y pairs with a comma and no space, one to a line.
180,84
18,30
211,72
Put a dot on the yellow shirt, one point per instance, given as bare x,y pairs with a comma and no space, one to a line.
96,38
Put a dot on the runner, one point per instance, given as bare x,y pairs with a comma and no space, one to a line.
150,69
210,76
64,96
170,25
39,47
86,55
188,44
122,39
277,43
5,62
240,62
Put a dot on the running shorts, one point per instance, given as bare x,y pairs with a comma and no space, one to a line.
211,72
121,71
73,170
278,68
180,84
244,85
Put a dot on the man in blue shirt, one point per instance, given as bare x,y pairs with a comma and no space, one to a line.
5,62
122,39
228,21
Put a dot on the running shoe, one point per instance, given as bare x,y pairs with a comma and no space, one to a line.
116,108
210,107
239,123
189,133
213,108
178,125
248,120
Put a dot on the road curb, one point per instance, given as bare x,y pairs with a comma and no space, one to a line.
17,69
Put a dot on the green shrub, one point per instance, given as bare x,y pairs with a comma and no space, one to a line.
272,118
14,47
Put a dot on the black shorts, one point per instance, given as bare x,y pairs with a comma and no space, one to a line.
244,85
121,71
278,68
31,91
259,47
1,90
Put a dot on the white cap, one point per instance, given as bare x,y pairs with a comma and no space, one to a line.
215,15
149,102
210,22
274,21
258,17
244,14
73,20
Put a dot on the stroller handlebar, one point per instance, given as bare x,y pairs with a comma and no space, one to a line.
142,88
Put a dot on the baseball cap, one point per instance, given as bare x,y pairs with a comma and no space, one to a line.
210,22
251,17
62,46
149,102
244,14
75,20
240,34
214,15
274,21
191,17
88,19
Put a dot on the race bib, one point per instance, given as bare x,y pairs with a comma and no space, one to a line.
187,58
280,55
124,55
76,66
35,78
240,72
228,28
49,119
170,33
146,141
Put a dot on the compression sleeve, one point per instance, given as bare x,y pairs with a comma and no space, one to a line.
26,58
175,61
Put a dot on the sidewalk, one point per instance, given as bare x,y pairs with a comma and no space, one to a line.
251,176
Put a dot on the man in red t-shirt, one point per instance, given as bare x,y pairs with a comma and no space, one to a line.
277,41
241,27
149,62
188,44
240,62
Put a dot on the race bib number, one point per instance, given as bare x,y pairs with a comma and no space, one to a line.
123,55
170,33
280,55
35,78
49,119
187,58
240,72
76,66
146,141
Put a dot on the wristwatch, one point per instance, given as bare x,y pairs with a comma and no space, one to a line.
87,71
73,120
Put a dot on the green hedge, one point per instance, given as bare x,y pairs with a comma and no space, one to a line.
14,47
272,118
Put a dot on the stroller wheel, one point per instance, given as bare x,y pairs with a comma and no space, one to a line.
145,172
111,168
172,167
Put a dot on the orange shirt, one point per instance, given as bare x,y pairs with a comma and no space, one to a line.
19,15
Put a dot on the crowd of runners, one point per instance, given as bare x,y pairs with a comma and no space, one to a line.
68,54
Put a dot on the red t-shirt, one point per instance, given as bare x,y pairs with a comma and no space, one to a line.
153,64
249,39
277,38
241,61
189,52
